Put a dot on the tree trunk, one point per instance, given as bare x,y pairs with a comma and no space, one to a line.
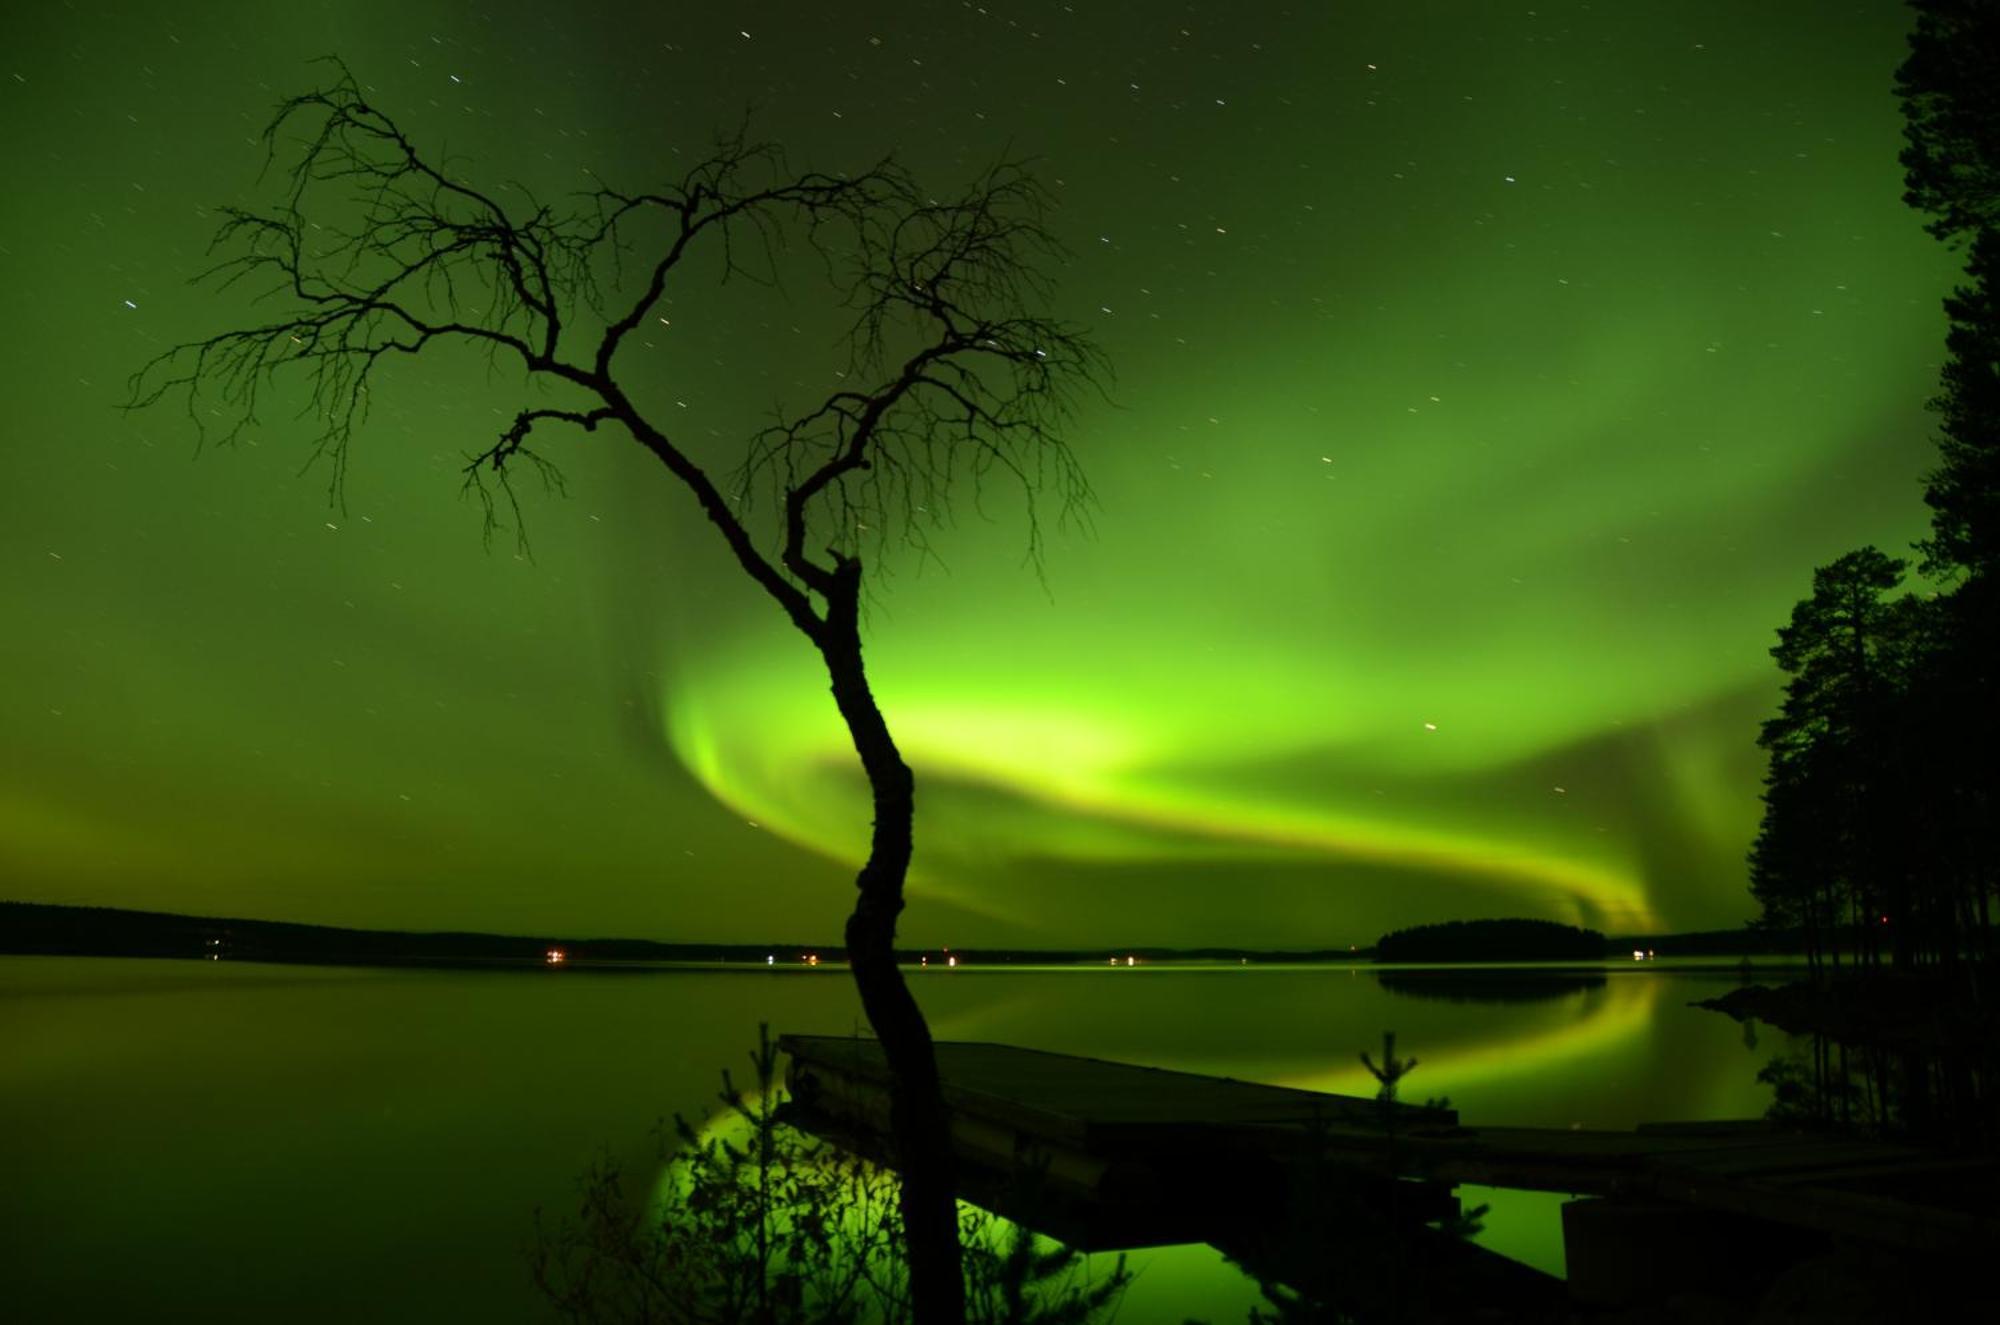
919,1127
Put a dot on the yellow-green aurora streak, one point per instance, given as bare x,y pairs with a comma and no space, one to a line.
1090,794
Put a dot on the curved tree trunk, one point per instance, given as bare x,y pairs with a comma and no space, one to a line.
919,1127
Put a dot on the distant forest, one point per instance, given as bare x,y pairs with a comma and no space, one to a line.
27,927
30,927
99,931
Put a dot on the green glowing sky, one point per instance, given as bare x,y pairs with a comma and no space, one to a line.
1490,379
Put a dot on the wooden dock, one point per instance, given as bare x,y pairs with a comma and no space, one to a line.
1129,1156
1124,1155
1874,1191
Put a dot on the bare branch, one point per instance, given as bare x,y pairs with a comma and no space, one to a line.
983,384
492,468
742,186
373,251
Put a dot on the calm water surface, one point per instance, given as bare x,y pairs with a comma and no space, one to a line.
232,1143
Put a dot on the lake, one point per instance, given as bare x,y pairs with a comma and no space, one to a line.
230,1142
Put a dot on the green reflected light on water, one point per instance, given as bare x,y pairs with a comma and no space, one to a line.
230,1142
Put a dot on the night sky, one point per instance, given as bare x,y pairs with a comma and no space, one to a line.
1489,381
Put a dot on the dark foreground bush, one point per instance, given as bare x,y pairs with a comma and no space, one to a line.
755,1223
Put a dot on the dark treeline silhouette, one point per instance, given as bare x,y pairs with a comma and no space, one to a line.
1876,839
1742,941
103,931
1491,940
56,929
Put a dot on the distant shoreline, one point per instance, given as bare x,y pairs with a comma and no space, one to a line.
45,929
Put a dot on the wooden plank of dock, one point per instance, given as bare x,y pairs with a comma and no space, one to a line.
1130,1137
1122,1155
1117,1156
1803,1180
1081,1101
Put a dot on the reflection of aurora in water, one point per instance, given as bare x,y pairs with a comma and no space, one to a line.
1592,1025
1514,1048
134,1090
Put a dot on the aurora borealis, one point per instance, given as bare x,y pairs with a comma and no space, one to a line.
1489,382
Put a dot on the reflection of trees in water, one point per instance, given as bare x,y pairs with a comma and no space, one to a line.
1515,986
1340,1248
1938,1096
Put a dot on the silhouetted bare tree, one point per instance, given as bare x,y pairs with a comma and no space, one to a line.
374,251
